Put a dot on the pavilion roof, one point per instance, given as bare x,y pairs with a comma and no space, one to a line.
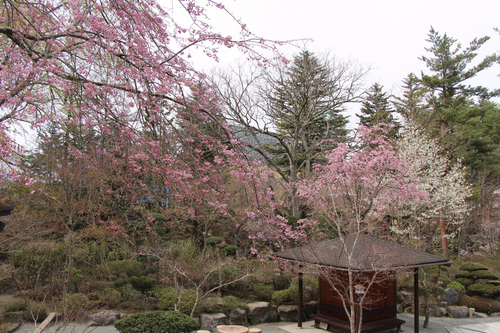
361,252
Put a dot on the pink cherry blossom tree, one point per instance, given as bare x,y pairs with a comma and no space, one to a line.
357,191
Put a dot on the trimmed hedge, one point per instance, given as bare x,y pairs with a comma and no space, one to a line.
157,322
481,304
463,275
473,266
484,275
457,286
482,289
465,281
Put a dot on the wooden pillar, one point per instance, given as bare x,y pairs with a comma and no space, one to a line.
415,300
299,306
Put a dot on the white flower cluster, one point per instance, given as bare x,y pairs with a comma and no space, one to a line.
443,180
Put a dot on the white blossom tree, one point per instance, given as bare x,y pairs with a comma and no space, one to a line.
443,180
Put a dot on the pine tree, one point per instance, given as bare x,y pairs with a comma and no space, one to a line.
377,109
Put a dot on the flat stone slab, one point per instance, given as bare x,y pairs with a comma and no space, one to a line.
231,329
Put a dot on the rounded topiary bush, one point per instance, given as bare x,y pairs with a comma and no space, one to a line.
263,291
157,322
463,275
465,281
457,286
484,275
473,266
287,296
482,289
495,283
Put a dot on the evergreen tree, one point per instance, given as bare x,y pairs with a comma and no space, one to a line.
377,109
412,105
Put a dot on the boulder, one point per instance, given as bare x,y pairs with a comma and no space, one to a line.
399,308
261,312
458,311
103,318
405,299
238,316
480,315
310,308
495,314
210,321
436,311
450,296
288,312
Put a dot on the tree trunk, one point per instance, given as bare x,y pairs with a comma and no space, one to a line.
444,240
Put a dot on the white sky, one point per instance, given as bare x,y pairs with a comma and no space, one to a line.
388,35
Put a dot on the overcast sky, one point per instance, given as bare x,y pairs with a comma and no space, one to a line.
388,35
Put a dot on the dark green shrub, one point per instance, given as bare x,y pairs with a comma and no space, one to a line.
482,289
111,297
37,314
141,283
287,296
463,274
168,300
157,322
230,250
495,283
160,231
481,304
119,283
15,306
485,275
465,281
310,287
212,241
262,291
123,268
473,266
457,286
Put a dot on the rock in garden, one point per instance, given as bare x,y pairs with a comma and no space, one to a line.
310,308
399,308
104,318
480,315
458,311
495,314
288,312
261,312
210,321
436,311
405,299
238,316
450,296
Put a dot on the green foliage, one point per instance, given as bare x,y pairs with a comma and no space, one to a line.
262,291
212,241
44,261
481,304
310,287
457,286
485,275
141,283
111,297
157,322
495,283
119,283
230,249
78,301
37,314
15,306
169,299
465,281
482,289
122,268
287,296
220,305
463,275
473,266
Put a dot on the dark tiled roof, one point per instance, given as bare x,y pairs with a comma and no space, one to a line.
361,252
5,210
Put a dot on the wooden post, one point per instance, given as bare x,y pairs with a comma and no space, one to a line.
299,306
415,300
